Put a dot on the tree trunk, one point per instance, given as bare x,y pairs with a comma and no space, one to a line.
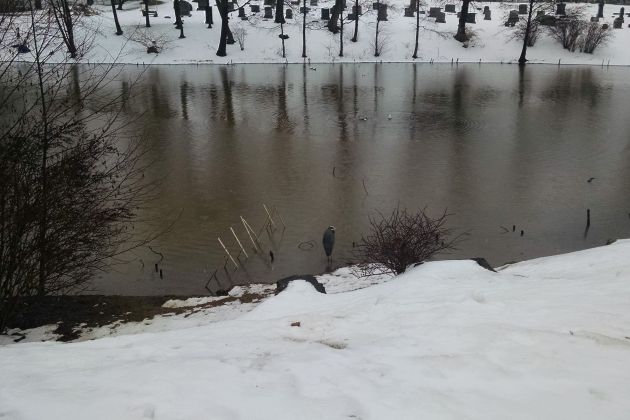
284,54
43,196
461,26
118,28
222,9
340,3
178,15
415,48
355,37
147,22
67,16
378,28
304,32
522,59
120,4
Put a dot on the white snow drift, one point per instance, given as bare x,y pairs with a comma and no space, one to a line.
542,339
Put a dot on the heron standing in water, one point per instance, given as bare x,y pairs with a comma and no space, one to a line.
329,242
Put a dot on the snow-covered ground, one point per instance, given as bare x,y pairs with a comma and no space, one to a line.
262,44
542,339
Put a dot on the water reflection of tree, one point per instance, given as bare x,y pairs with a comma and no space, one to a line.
227,95
183,94
283,123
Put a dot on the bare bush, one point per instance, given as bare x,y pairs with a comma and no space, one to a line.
153,42
401,239
567,31
520,29
593,36
240,33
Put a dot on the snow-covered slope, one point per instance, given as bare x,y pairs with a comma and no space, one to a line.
542,339
262,44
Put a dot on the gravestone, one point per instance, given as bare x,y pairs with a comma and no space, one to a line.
440,18
313,2
185,8
487,15
241,12
375,5
295,2
486,9
540,13
255,8
409,12
600,10
268,13
288,14
512,18
433,11
356,11
470,18
302,11
621,13
547,20
594,19
351,16
269,3
202,4
522,9
449,8
325,14
382,13
617,23
561,9
230,7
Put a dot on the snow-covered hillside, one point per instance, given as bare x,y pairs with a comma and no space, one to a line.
542,339
262,44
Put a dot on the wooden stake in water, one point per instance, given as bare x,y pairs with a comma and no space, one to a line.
249,234
275,210
268,214
239,242
249,228
228,253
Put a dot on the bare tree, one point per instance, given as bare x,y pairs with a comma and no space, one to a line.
119,30
528,29
461,35
65,19
401,239
71,183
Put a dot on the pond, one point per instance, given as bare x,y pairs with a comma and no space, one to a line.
333,144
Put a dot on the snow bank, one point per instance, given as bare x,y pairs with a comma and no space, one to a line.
543,339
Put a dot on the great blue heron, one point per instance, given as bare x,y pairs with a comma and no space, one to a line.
329,242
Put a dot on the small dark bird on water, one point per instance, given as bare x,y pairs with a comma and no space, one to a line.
329,242
271,256
591,179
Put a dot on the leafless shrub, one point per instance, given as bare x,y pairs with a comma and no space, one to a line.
472,38
519,30
381,43
153,42
567,31
401,239
593,36
240,33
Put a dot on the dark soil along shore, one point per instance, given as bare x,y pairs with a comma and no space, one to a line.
89,311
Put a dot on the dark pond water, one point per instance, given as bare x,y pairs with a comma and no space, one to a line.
330,146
